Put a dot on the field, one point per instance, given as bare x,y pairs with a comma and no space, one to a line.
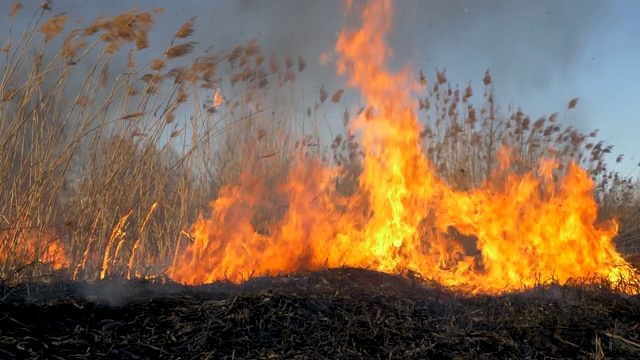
332,314
185,206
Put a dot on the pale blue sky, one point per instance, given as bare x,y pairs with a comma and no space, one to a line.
541,53
610,85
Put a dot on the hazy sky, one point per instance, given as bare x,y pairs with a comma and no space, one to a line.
541,53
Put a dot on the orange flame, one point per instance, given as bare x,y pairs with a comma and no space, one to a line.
528,227
26,246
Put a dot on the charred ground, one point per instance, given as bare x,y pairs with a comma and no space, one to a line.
338,313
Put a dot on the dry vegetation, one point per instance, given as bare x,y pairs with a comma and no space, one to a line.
99,164
100,167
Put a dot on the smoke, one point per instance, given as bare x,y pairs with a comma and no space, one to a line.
526,44
535,49
531,47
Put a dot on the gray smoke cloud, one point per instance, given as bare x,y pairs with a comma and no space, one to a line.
528,45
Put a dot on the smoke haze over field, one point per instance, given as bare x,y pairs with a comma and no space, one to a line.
541,53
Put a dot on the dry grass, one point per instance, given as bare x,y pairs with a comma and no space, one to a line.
102,164
90,152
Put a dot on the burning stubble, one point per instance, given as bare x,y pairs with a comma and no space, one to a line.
522,221
397,197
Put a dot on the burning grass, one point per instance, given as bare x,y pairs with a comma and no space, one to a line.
108,177
330,314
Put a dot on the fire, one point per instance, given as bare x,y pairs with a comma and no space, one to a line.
26,246
529,227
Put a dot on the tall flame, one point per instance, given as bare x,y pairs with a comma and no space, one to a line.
528,227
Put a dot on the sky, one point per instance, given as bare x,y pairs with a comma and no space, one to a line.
541,53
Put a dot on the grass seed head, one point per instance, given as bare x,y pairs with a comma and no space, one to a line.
235,54
323,94
46,5
6,48
17,6
572,103
252,49
337,96
187,29
72,45
487,78
53,26
301,64
179,50
157,64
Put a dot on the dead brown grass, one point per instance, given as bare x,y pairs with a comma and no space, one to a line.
103,159
109,163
